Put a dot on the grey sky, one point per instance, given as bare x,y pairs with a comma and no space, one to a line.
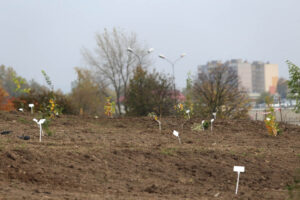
50,34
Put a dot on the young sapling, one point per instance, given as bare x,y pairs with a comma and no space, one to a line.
155,118
184,113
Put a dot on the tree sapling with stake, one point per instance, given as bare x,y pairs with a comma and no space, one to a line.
154,116
184,113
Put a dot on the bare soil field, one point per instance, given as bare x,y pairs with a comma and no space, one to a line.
128,158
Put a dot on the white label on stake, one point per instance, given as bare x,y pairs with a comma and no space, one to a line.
238,169
215,115
176,133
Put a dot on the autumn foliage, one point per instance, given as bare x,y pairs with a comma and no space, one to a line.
6,103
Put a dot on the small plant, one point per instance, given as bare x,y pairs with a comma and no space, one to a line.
168,151
205,124
200,127
53,109
24,121
270,121
294,189
184,112
109,107
155,118
197,127
46,127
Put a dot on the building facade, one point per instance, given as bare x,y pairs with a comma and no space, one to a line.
255,77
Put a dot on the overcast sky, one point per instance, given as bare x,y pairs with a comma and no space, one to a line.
50,34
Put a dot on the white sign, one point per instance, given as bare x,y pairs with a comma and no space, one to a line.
31,107
202,123
238,169
176,133
188,112
215,115
40,125
21,109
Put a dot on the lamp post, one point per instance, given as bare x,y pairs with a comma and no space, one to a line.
172,63
130,50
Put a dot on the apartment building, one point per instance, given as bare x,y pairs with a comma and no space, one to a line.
255,77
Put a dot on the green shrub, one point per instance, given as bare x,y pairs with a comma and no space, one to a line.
149,92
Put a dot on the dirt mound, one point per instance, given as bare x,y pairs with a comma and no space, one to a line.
128,158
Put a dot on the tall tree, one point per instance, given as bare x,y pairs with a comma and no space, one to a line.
112,60
86,94
218,91
294,84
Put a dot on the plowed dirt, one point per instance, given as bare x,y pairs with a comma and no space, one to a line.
128,158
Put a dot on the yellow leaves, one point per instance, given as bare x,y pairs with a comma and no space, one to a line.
52,105
53,108
180,106
109,107
270,121
153,116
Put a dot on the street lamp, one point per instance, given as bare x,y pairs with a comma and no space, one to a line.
130,50
173,70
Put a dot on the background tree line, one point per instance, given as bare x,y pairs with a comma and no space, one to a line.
125,76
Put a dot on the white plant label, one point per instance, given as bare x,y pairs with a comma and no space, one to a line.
238,169
159,125
215,115
202,123
188,112
176,133
31,107
21,109
40,125
211,123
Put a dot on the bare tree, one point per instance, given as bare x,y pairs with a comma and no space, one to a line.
113,62
218,91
